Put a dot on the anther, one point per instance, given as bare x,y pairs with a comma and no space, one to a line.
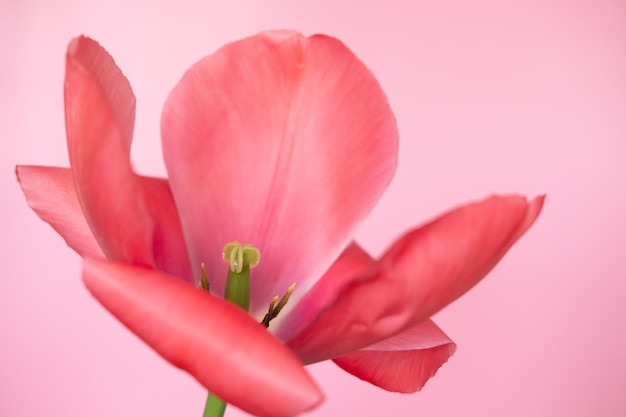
204,281
274,308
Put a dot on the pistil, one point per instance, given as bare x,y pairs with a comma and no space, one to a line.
241,258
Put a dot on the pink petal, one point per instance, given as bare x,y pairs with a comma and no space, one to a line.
279,141
424,271
350,266
99,116
50,192
404,362
229,353
133,218
168,243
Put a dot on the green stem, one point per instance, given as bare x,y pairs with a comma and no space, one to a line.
214,407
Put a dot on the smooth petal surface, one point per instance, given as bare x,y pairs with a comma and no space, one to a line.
404,362
99,116
422,272
133,218
228,352
279,141
50,192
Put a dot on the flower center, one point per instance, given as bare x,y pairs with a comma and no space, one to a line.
242,258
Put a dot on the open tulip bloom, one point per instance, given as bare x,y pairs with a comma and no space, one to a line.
283,143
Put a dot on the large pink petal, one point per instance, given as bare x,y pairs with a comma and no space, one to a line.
133,218
232,355
99,116
50,192
279,141
422,272
404,362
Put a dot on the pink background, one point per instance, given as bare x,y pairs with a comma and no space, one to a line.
526,97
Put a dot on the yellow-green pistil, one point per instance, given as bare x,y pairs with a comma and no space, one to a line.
241,259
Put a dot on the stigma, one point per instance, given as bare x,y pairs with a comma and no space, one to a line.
240,256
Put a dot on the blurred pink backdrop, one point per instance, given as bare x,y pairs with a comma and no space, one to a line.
520,96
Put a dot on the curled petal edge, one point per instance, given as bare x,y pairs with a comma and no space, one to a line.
403,363
50,192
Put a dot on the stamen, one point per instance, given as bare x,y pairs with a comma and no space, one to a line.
204,281
283,301
273,302
274,308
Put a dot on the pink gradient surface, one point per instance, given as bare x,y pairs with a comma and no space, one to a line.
526,97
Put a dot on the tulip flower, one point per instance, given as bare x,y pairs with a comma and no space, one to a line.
283,143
